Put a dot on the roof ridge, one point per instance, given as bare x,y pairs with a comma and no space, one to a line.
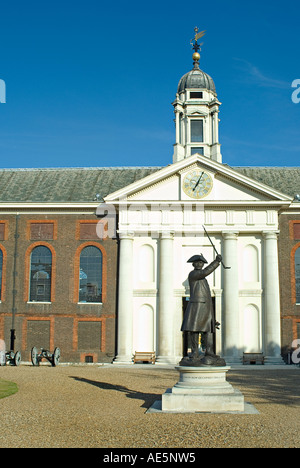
111,168
27,169
266,167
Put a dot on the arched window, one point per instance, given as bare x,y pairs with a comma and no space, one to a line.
40,274
297,274
1,273
90,275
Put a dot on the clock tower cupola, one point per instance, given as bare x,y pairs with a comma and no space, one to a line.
196,110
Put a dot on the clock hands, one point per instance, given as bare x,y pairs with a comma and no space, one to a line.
198,182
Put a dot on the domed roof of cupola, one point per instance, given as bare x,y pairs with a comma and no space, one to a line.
196,78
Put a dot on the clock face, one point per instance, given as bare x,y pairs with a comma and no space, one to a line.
197,184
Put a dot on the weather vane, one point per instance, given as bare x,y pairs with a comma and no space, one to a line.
196,46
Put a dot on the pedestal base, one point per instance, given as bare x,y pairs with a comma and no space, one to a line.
203,389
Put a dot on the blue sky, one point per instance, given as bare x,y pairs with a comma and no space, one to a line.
91,83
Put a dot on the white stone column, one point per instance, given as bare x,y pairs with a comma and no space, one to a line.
272,338
230,322
216,126
218,317
166,300
184,132
177,125
125,299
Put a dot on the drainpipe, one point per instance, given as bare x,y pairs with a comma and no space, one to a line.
14,291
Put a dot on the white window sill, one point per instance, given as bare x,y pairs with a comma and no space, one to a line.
89,303
38,302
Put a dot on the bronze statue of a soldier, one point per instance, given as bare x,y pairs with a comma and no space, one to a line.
199,316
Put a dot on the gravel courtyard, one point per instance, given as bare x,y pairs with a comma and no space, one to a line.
90,406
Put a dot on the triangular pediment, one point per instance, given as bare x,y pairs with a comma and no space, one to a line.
198,178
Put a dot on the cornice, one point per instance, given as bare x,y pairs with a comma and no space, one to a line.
48,207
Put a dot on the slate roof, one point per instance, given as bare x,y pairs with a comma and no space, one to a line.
66,184
284,179
82,184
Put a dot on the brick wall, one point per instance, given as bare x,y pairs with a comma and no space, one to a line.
59,322
289,241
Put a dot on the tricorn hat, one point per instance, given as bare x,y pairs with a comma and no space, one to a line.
197,258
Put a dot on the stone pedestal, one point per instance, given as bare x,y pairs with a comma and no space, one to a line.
202,389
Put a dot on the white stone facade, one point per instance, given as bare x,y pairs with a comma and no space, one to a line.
161,220
160,228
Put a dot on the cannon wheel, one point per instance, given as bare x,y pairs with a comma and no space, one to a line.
17,358
55,357
34,357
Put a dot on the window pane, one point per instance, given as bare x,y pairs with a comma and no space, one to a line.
297,275
196,130
40,274
197,150
196,95
90,275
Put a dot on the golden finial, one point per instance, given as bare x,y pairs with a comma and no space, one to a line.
196,46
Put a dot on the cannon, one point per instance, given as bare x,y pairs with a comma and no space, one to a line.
13,358
53,358
9,357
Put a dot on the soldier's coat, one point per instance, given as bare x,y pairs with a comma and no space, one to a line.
199,315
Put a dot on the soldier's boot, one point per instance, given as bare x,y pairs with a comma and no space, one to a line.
194,342
209,344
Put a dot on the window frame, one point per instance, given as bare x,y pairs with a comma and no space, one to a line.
38,279
77,272
191,131
197,148
198,93
98,278
28,273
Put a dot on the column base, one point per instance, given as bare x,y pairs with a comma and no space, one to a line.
123,360
274,361
170,360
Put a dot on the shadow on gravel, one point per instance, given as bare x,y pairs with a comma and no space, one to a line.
271,387
148,398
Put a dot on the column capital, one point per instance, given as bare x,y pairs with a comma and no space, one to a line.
126,235
270,234
230,235
167,235
217,292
